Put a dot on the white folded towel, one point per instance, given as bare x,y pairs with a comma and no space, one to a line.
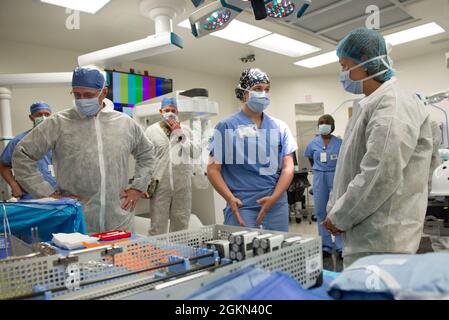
72,241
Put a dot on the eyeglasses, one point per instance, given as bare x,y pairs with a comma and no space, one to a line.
86,95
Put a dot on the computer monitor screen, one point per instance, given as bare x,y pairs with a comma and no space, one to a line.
127,89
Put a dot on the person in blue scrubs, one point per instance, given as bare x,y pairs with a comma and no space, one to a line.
39,112
323,152
251,164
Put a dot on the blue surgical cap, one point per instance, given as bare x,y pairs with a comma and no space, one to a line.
88,77
39,106
169,102
363,44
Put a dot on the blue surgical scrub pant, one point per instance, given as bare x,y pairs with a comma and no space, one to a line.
322,186
276,218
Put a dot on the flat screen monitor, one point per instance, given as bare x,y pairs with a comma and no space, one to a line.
127,89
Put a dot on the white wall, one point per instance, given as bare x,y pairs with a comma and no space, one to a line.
286,92
426,75
24,58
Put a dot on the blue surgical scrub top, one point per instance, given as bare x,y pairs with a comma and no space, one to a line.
252,157
43,164
317,146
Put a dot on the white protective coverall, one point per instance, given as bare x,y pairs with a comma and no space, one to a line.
90,158
173,196
380,189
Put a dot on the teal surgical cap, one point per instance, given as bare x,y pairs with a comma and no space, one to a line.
363,44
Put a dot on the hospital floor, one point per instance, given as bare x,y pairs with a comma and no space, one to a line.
303,228
306,228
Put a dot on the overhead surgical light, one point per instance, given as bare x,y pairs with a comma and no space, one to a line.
212,17
280,9
218,14
275,9
217,19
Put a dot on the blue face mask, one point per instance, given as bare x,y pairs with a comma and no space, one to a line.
356,86
325,129
88,107
258,101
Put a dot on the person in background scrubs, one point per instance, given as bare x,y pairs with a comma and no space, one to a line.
251,163
379,199
323,152
39,111
171,188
